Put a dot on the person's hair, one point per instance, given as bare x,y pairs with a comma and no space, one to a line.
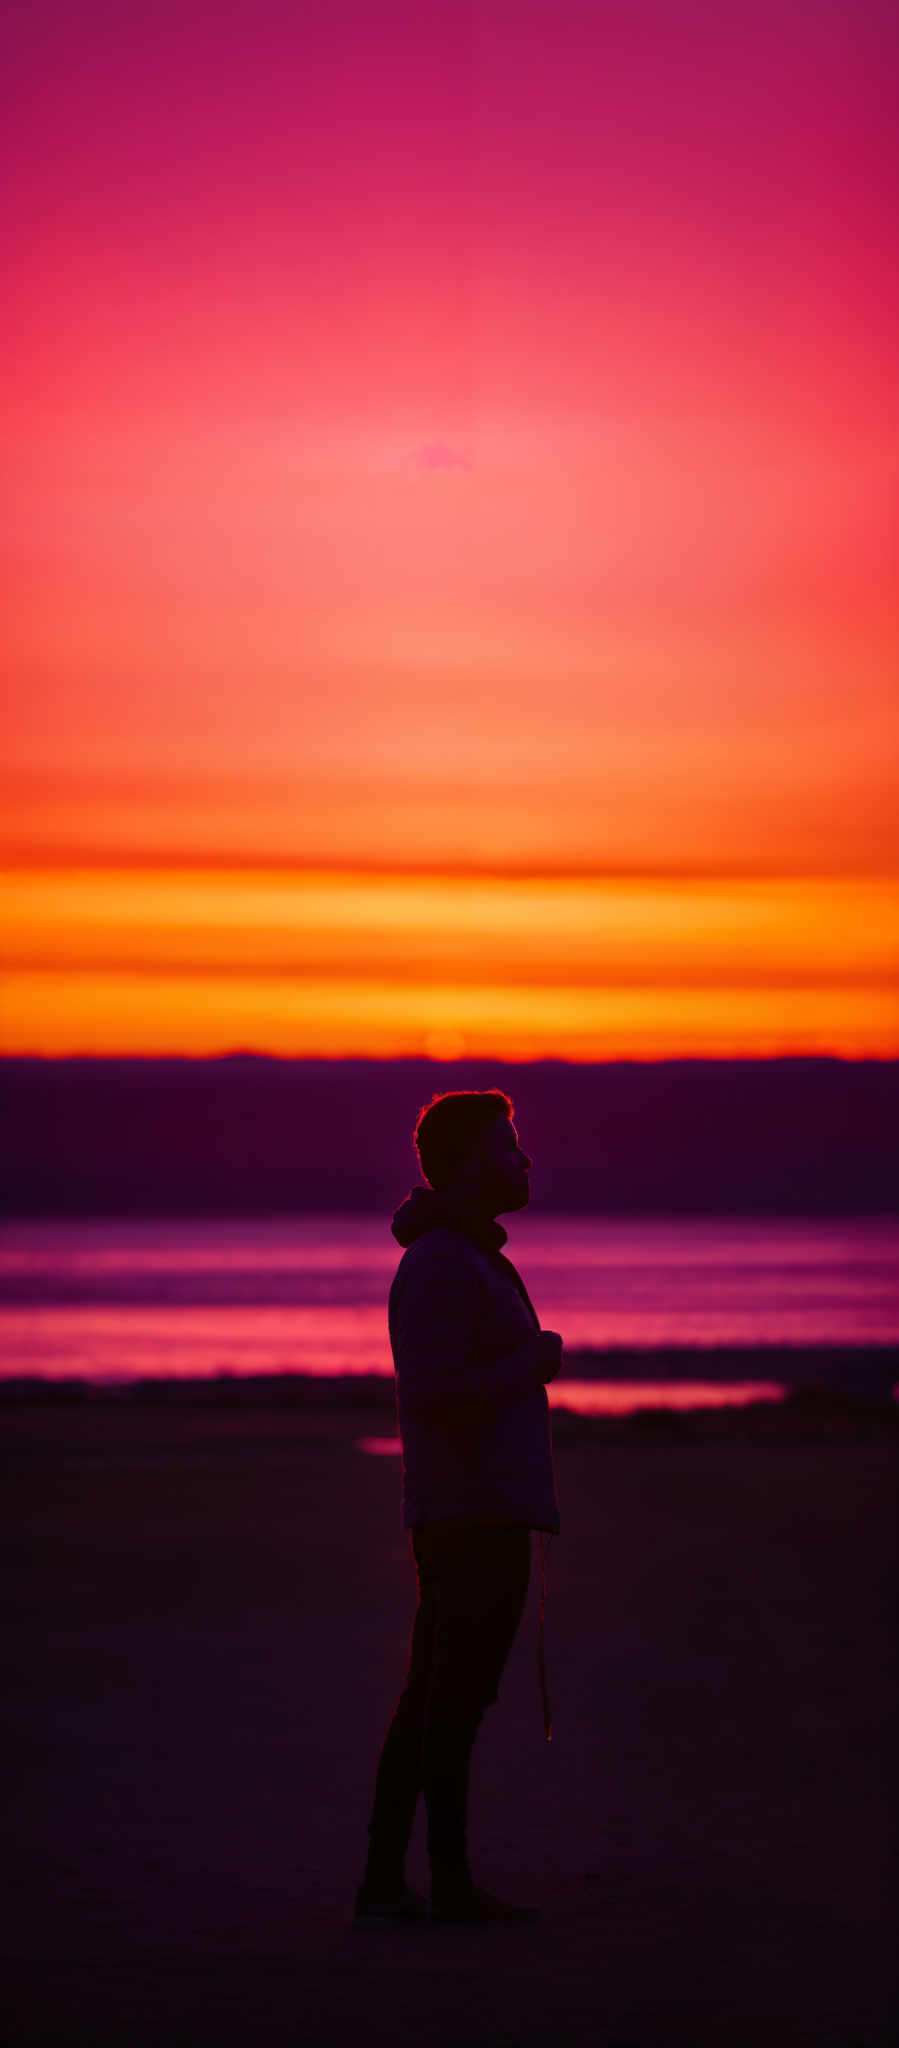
449,1127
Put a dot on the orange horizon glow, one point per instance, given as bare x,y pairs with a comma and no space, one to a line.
322,965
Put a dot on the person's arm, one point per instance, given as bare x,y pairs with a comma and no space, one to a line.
436,1322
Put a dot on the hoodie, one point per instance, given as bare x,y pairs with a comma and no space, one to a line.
472,1407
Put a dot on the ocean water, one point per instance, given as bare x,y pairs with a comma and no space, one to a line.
113,1300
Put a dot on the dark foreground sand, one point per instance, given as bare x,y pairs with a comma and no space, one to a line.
207,1616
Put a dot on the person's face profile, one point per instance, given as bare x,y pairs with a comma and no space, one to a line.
499,1168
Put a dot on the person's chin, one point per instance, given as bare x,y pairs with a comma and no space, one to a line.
518,1197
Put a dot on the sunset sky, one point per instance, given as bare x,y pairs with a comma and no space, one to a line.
449,575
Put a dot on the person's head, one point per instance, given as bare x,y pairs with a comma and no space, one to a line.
468,1146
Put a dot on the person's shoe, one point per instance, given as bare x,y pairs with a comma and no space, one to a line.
469,1905
378,1909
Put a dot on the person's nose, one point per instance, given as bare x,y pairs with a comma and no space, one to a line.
525,1160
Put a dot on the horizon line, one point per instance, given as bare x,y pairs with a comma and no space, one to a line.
40,859
466,1059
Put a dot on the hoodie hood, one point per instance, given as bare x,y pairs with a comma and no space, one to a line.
426,1208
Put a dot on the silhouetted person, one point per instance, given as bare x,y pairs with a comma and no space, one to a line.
471,1365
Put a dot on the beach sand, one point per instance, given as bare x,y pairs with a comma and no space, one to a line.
207,1620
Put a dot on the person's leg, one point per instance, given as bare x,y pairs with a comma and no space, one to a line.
482,1572
398,1780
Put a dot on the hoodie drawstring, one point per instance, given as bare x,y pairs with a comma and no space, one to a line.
541,1648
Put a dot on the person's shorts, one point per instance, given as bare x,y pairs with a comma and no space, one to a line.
473,1579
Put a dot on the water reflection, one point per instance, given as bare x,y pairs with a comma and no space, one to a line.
622,1397
619,1397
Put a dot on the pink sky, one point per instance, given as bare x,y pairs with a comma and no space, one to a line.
460,436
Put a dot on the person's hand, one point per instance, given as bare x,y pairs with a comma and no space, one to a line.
550,1354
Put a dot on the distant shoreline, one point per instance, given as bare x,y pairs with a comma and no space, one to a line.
857,1375
249,1418
830,1395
